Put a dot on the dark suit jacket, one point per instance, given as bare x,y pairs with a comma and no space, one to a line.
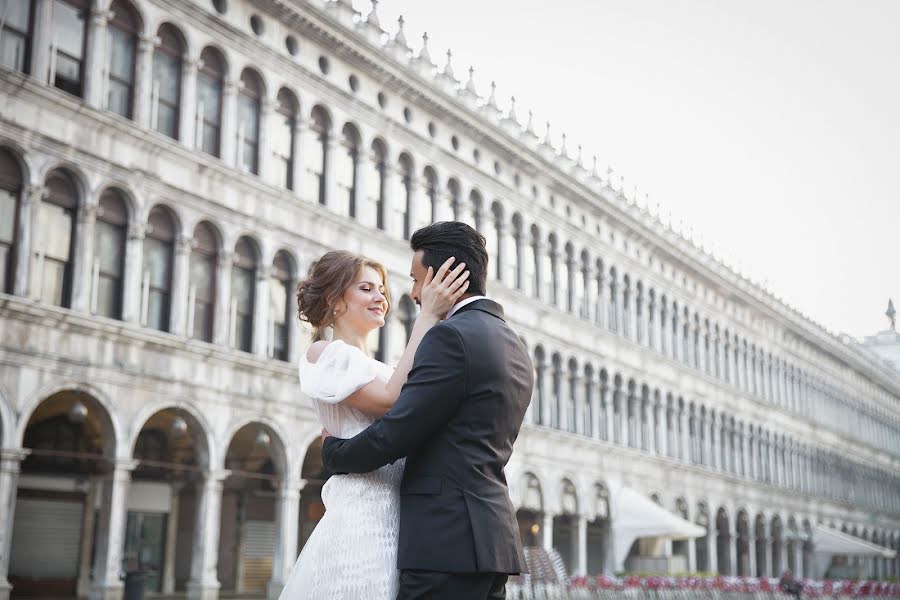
456,420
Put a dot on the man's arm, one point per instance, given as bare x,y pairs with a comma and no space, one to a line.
436,384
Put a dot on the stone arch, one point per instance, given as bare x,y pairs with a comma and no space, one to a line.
98,396
194,418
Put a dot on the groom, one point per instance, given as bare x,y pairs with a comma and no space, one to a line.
456,420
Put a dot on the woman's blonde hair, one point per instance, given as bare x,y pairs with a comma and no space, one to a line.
327,280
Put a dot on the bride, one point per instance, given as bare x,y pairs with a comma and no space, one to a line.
352,553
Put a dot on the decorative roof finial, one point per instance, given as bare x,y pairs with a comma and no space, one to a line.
609,174
530,126
621,184
448,69
547,135
372,19
563,151
492,100
594,173
470,85
423,53
578,159
400,37
511,115
891,314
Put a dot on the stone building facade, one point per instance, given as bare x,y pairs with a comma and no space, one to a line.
168,170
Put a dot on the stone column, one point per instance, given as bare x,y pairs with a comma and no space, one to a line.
620,399
684,439
229,129
42,38
105,583
546,396
602,309
168,571
88,517
665,330
287,510
181,267
650,442
663,425
798,559
332,190
261,315
96,67
562,398
28,202
187,124
581,546
143,81
707,440
204,582
264,159
712,547
83,257
547,532
609,416
751,552
297,154
132,297
10,460
577,389
594,400
692,555
539,275
519,247
715,457
222,319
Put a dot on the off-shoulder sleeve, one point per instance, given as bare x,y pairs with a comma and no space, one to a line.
340,370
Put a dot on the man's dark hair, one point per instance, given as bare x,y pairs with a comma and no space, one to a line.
439,241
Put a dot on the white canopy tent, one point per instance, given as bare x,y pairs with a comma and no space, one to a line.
637,516
827,542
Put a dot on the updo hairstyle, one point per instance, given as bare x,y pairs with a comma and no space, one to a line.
327,280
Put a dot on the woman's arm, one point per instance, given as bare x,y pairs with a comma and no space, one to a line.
440,292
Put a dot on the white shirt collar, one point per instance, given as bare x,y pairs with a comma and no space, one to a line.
462,303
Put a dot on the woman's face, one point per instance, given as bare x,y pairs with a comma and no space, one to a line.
363,305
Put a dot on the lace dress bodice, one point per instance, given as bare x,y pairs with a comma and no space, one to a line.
352,553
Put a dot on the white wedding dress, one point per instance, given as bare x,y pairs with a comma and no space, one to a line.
352,553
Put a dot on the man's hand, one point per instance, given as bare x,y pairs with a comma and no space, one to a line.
325,435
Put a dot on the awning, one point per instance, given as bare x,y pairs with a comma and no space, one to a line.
637,516
832,541
828,542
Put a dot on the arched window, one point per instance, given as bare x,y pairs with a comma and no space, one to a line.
15,35
431,193
68,45
122,31
345,171
318,154
243,288
283,139
156,282
586,286
202,291
165,115
406,180
248,120
376,183
210,79
56,240
109,255
10,191
280,307
556,391
567,281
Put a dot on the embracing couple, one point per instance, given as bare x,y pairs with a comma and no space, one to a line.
419,506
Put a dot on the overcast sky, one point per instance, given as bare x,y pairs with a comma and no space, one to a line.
770,127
